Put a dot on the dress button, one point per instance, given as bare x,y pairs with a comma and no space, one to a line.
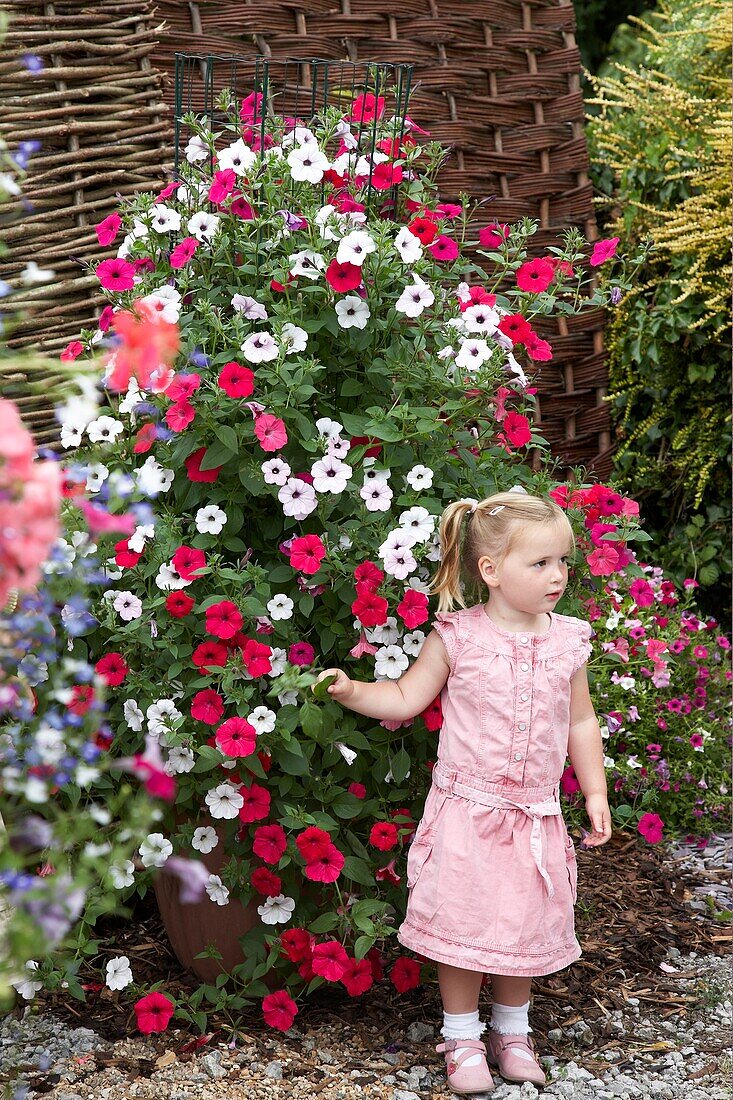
524,697
517,756
524,640
524,666
522,726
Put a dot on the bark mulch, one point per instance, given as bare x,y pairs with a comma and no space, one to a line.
630,911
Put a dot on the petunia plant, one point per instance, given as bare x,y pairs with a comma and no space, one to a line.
351,359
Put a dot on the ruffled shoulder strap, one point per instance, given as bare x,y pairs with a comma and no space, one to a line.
449,626
579,641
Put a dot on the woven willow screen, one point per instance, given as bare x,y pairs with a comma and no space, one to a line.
498,81
94,103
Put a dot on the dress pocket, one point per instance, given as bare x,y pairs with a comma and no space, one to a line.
571,863
417,856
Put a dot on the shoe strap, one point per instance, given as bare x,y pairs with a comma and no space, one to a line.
468,1047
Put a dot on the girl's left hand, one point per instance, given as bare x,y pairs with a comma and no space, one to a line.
599,814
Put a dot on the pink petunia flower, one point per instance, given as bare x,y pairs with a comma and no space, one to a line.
223,619
71,351
270,432
236,737
279,1009
183,252
330,960
207,706
116,274
301,653
535,276
256,806
307,553
327,867
180,415
153,1013
108,229
444,249
603,250
269,843
236,380
650,826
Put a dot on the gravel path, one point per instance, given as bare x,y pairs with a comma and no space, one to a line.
679,1051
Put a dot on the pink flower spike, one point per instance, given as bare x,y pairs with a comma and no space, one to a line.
108,229
603,250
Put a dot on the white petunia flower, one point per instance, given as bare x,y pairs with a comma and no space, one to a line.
165,219
330,429
249,307
204,839
355,247
473,354
203,226
307,163
169,580
419,522
275,471
122,875
387,633
138,538
180,761
224,801
278,662
390,662
118,973
237,156
294,339
196,150
277,910
330,474
412,643
104,429
262,719
133,715
419,477
162,716
70,436
298,498
308,263
28,987
152,478
415,298
285,699
352,312
408,245
348,754
480,319
260,347
376,495
217,891
97,474
299,135
128,606
165,303
338,448
33,275
280,607
374,473
210,520
516,369
155,850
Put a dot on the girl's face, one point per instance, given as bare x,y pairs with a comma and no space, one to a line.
533,575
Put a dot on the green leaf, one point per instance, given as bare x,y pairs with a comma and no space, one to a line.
311,721
358,870
320,690
227,436
363,946
216,455
346,805
400,766
325,923
293,762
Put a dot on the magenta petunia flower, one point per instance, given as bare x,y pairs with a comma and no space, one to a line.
207,706
256,806
269,843
279,1010
650,826
108,229
444,249
330,960
301,653
603,250
236,737
183,252
236,380
535,276
223,619
180,415
270,432
116,274
307,553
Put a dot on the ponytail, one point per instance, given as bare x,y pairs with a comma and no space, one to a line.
447,581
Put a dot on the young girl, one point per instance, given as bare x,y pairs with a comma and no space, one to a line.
491,870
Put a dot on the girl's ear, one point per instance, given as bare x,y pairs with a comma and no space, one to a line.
487,571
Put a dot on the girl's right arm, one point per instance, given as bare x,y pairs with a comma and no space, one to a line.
395,700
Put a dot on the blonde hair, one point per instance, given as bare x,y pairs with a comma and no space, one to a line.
470,530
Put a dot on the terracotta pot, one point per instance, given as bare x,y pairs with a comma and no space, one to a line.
192,927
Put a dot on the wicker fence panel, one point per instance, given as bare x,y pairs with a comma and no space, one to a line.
97,109
498,81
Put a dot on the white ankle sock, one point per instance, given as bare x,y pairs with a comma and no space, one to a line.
463,1025
512,1020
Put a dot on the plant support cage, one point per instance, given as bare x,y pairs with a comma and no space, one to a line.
294,88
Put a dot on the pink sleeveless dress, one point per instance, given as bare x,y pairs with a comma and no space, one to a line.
491,870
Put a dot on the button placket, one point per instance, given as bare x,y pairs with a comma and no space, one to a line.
522,713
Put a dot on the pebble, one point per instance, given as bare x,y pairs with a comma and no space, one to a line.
274,1070
418,1032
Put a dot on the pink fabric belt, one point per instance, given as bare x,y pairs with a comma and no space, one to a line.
451,783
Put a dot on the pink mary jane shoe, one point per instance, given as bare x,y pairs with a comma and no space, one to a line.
512,1066
466,1079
